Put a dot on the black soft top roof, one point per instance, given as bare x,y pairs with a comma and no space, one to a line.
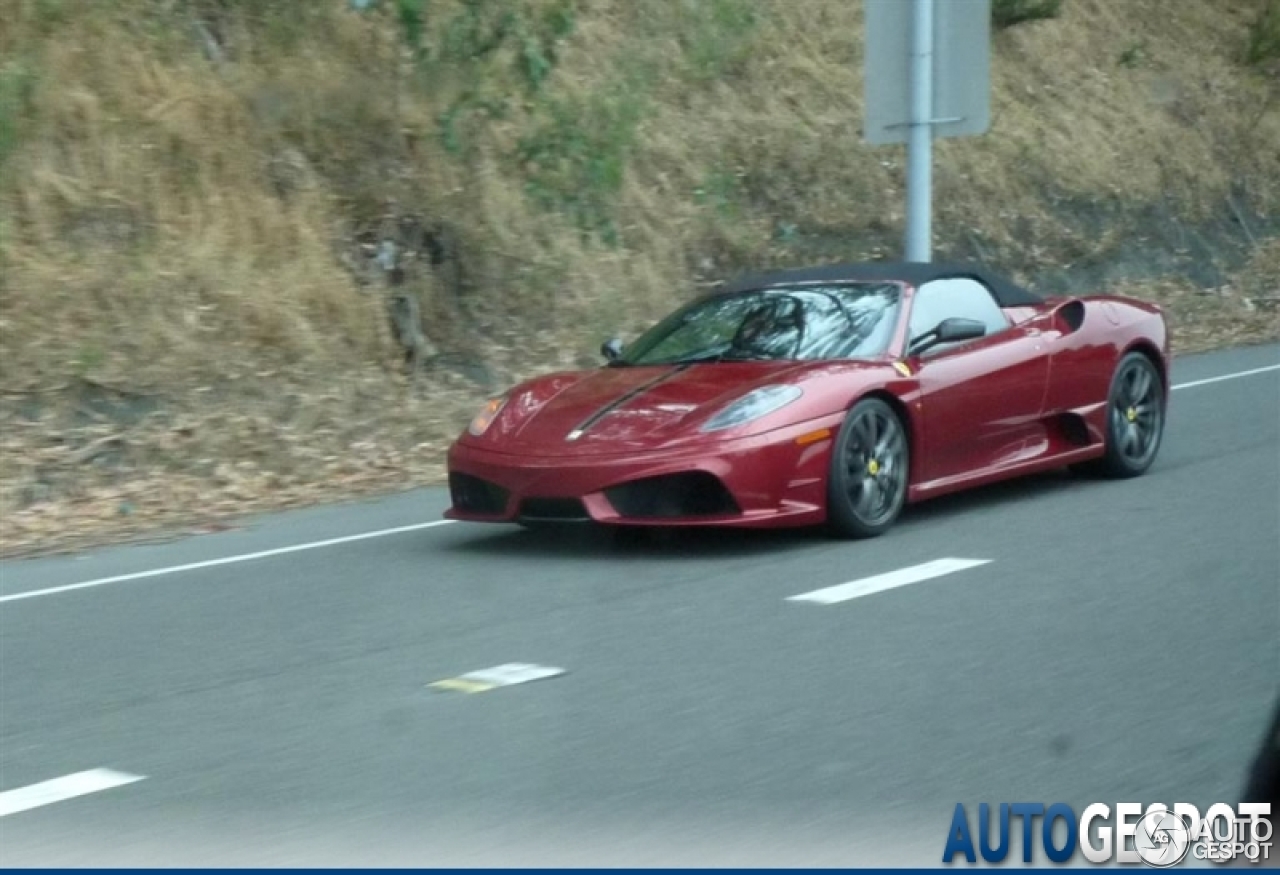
915,273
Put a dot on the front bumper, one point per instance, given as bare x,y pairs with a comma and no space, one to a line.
773,479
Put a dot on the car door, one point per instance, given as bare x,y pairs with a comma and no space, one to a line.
980,400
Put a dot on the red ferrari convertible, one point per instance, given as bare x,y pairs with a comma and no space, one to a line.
831,395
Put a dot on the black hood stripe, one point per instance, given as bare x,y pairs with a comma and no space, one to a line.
588,423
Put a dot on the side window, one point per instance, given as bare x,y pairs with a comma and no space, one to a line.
951,298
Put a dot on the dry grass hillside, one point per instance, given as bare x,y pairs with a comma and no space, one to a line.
225,222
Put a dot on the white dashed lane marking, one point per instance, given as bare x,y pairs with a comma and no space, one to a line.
891,580
62,789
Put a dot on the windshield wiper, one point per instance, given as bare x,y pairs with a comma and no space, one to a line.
743,355
694,359
703,358
698,358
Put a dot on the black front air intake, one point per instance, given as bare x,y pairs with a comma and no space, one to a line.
688,494
562,510
473,495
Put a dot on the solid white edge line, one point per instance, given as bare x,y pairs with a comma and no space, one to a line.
890,580
1234,376
225,560
62,789
312,545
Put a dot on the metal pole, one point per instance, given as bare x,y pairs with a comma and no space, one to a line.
920,144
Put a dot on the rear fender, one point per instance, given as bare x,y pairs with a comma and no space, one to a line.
1082,337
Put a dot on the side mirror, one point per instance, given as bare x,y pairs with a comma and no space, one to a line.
611,349
952,330
956,329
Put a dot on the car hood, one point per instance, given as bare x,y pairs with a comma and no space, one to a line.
626,408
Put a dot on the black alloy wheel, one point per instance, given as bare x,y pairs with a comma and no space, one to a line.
870,463
1135,417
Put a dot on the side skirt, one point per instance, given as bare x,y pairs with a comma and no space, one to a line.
985,476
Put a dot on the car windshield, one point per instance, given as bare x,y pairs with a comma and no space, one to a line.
804,322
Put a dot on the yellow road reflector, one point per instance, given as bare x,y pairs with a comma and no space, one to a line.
507,675
459,685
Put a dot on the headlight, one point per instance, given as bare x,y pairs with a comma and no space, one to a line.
753,405
481,421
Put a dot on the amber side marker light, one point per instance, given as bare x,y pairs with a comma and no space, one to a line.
813,437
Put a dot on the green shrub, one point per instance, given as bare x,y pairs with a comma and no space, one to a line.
716,35
577,156
17,92
1007,13
485,55
412,16
1134,54
494,53
1264,35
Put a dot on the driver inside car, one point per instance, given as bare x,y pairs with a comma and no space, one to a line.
770,330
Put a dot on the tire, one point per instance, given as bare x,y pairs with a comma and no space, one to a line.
1135,418
868,475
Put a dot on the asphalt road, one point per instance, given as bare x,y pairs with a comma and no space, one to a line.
1120,643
